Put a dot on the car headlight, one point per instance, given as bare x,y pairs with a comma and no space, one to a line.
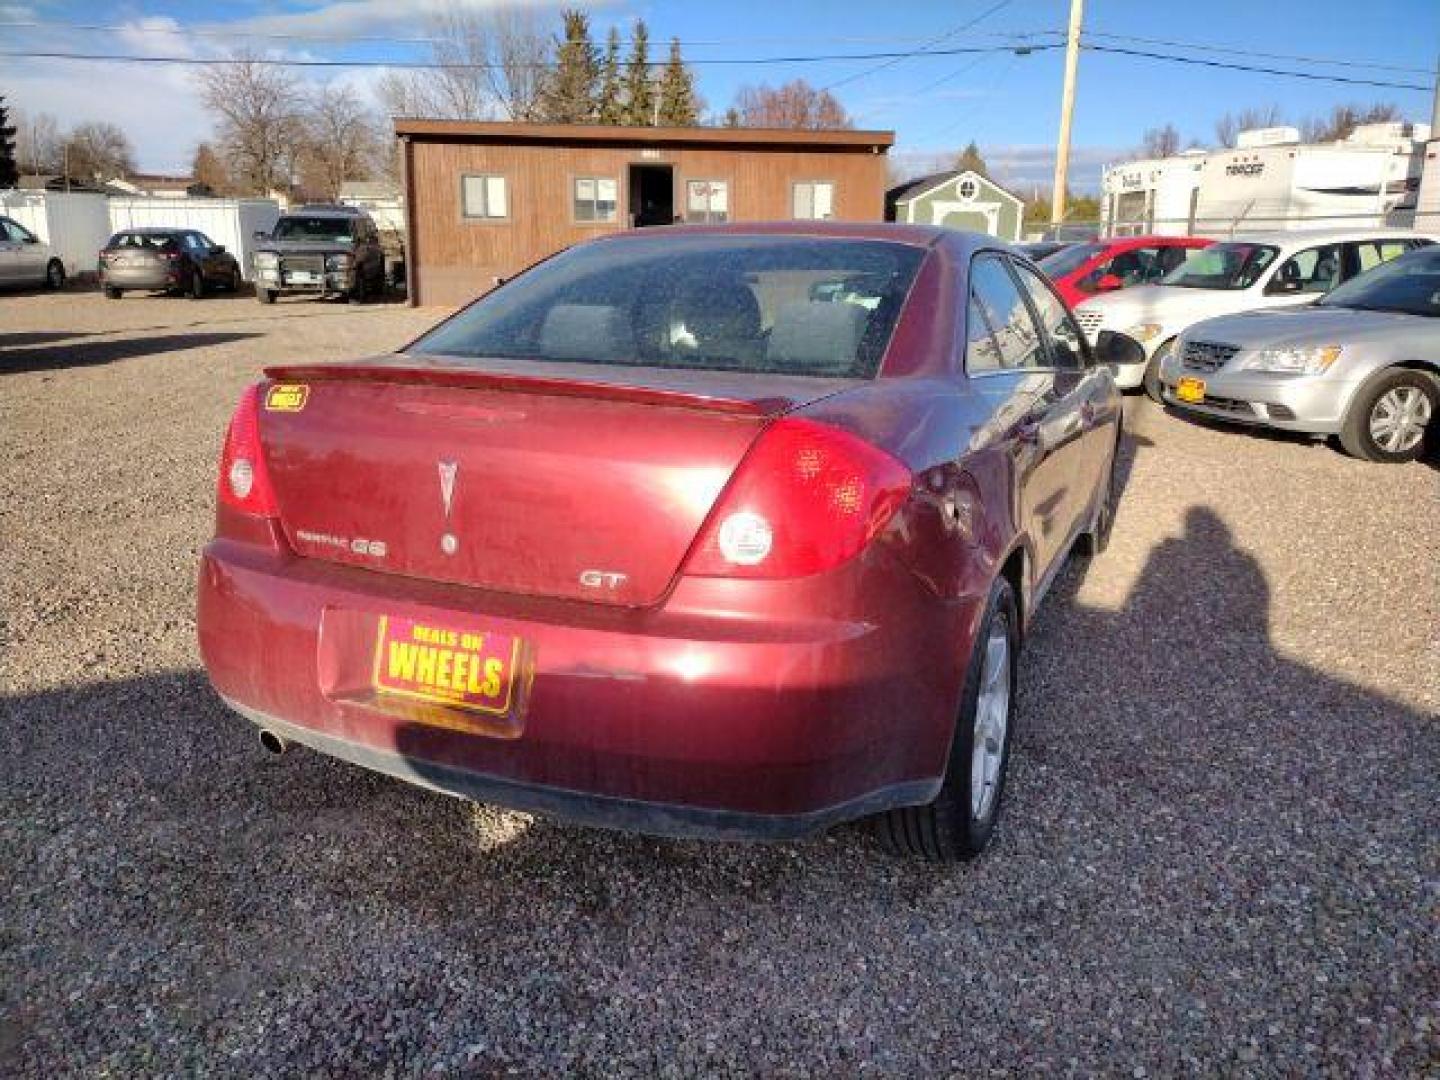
337,262
1303,361
1144,331
266,260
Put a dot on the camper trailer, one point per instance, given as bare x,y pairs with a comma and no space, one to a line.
1151,198
1273,181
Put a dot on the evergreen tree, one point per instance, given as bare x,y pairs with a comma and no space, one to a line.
611,105
9,172
570,93
732,117
970,160
678,105
639,91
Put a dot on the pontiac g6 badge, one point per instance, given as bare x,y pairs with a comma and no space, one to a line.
449,542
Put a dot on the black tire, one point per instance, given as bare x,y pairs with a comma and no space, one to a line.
1153,388
112,293
265,296
195,287
54,274
1097,539
946,829
1355,433
357,291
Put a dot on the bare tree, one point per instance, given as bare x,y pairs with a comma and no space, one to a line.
1229,126
259,120
797,104
38,143
98,150
209,171
1342,121
341,138
1161,142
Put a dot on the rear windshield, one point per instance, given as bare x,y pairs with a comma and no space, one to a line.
1222,266
151,241
789,305
1067,259
325,229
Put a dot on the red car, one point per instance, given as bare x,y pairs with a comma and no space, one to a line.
1082,270
720,531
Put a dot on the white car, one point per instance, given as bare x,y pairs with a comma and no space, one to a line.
1261,270
25,259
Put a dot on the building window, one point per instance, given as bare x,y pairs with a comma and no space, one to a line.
969,189
814,200
484,197
595,198
707,200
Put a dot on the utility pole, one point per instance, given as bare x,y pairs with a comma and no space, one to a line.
1067,109
1435,109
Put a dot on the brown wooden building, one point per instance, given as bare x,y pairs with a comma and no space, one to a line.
485,200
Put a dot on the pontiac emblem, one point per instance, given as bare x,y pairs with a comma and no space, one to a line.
449,543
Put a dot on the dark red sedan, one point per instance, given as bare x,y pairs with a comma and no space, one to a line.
719,531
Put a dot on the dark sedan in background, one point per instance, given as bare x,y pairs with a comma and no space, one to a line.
718,531
153,259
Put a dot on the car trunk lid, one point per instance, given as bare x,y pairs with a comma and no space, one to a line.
573,481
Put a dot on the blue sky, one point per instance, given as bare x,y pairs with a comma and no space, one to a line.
1006,103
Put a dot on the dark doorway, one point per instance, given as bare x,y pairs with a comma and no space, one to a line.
652,195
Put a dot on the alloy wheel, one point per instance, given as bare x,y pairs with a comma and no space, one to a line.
992,719
1399,417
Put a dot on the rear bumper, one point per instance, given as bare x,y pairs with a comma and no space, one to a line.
716,715
148,278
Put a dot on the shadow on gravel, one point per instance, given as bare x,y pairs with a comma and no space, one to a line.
1213,857
10,341
90,353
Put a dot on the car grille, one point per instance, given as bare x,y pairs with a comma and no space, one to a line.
1090,321
312,264
1206,356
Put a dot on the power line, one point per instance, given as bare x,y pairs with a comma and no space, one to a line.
1203,47
219,61
923,50
1229,66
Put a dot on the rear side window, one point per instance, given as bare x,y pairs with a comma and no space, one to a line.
1018,343
147,241
786,305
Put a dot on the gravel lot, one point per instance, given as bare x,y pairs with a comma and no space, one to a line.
1220,852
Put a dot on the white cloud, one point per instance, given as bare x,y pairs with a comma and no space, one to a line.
356,17
1021,166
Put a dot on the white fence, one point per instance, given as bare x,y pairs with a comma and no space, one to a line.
76,225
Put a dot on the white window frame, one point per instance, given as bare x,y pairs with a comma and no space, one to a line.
487,191
813,185
575,182
707,216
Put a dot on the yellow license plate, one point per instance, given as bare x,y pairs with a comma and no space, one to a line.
463,669
1190,389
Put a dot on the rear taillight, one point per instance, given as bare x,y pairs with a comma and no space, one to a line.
244,480
806,498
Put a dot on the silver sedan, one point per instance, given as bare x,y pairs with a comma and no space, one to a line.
1362,363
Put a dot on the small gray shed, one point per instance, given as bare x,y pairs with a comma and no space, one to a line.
957,200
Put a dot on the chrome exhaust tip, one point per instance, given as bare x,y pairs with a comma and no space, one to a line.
273,743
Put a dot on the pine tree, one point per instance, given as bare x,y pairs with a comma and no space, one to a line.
678,106
732,117
9,172
971,161
639,91
569,96
611,106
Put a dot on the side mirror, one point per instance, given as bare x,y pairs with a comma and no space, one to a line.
32,239
260,234
1282,287
1118,350
1108,283
218,249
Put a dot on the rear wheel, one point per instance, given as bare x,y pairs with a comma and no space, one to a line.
54,274
1390,419
958,824
195,287
112,293
1153,388
265,296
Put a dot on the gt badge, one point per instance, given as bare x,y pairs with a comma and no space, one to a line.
286,397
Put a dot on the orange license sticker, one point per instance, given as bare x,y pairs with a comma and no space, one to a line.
467,669
286,397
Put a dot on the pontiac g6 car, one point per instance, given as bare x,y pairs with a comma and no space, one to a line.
721,532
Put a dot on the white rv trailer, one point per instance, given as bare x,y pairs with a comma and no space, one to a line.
1270,182
1152,197
1427,203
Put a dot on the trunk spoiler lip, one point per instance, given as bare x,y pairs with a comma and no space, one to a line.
396,370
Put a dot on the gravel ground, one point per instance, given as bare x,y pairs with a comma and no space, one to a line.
1219,853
